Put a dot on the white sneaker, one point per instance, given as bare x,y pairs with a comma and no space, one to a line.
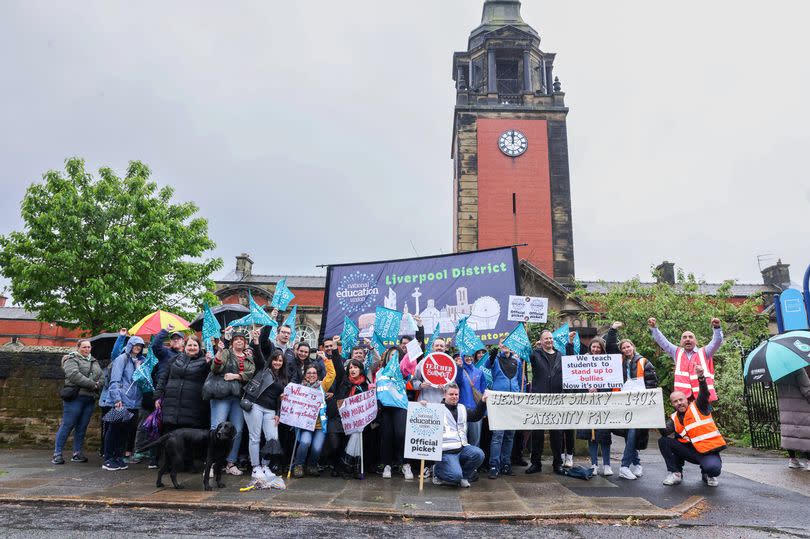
673,478
464,483
607,471
637,470
232,469
594,469
437,481
794,463
386,472
625,473
569,461
712,481
406,471
267,473
257,473
807,466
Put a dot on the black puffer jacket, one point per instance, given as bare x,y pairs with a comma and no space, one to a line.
180,387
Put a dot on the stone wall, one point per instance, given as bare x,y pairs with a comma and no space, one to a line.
30,407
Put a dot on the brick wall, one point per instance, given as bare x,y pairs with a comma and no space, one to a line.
30,408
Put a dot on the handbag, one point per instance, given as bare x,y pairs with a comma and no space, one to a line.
216,387
246,405
68,393
476,394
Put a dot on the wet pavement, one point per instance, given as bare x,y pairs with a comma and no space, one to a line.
757,492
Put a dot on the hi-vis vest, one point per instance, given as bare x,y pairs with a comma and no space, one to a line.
685,378
698,429
455,432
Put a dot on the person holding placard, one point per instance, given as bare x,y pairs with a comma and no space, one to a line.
638,372
697,438
428,391
597,438
460,459
507,375
546,378
310,442
354,383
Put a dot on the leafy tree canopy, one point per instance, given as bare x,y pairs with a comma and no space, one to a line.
99,253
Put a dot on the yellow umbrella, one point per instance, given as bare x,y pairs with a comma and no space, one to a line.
152,323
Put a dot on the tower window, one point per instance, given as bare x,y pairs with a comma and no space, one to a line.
508,76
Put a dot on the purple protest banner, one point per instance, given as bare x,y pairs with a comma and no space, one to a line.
442,290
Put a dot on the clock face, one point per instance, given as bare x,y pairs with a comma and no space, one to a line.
513,143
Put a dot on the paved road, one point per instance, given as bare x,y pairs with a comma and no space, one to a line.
90,523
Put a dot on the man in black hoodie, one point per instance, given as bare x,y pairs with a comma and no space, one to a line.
546,378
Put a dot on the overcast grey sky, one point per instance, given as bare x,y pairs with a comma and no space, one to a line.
315,131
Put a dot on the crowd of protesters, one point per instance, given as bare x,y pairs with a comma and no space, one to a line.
243,382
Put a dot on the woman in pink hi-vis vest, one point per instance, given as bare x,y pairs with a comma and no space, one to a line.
688,355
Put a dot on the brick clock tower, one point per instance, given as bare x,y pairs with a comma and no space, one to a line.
510,145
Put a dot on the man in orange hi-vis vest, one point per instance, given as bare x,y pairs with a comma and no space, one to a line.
687,356
697,439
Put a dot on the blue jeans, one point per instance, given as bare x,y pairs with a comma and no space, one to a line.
474,433
500,449
75,415
229,410
593,449
312,443
455,466
630,455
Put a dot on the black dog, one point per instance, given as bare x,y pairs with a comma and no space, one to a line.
213,445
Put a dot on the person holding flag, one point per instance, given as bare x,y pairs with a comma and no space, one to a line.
122,392
392,413
507,375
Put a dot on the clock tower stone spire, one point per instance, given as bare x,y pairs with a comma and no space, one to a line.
510,145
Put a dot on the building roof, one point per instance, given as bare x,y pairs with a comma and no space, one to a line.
293,281
739,290
16,313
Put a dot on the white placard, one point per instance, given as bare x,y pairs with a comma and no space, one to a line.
563,411
589,371
300,406
634,384
358,411
414,349
527,309
423,431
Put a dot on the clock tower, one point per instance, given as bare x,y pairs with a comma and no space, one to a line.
510,145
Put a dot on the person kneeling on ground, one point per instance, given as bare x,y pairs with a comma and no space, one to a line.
460,460
697,438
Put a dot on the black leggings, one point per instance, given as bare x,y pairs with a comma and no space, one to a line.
392,434
568,442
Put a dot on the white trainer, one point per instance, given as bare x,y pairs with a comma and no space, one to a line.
637,470
794,463
673,478
406,471
386,472
464,483
625,473
712,481
257,473
594,469
268,473
569,461
232,469
607,471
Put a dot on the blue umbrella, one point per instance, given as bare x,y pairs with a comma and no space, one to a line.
777,357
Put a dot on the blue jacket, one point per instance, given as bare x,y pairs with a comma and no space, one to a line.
500,382
121,386
164,355
465,392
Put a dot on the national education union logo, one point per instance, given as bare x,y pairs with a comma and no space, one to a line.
357,291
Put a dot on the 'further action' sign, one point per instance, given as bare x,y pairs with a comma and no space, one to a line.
562,411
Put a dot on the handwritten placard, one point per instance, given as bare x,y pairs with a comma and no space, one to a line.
358,411
597,372
562,411
300,406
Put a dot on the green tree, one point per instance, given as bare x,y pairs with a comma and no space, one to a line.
99,253
684,307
